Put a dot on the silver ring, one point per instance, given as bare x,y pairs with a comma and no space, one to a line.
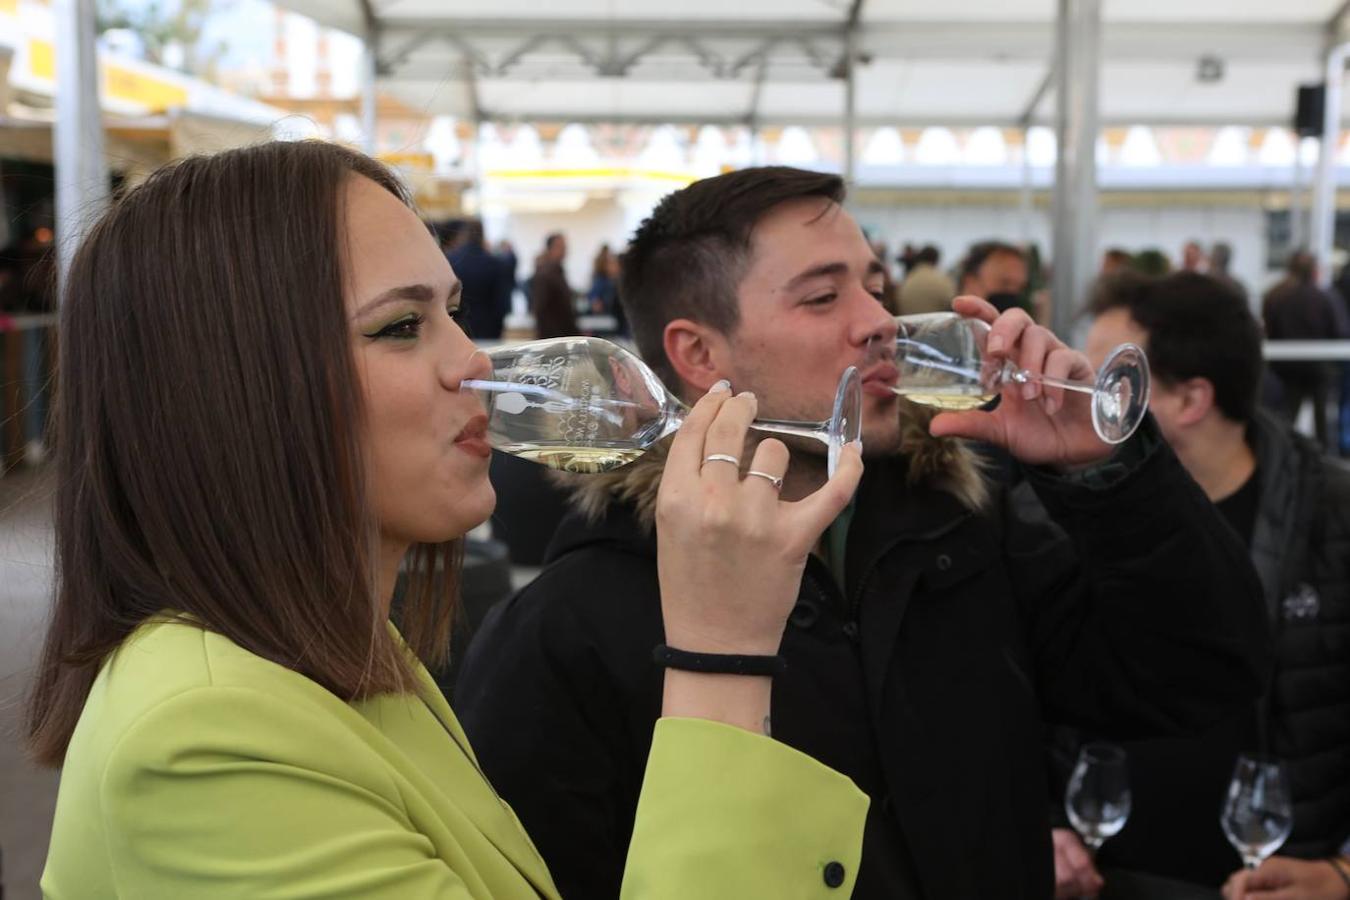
772,479
721,457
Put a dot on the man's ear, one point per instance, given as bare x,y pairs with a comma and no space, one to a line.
1197,399
696,352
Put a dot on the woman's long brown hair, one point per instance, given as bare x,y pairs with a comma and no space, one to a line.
208,430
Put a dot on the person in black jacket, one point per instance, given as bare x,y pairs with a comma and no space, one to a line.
935,629
1291,506
487,293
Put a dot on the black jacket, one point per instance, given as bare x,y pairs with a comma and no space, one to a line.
925,678
1301,547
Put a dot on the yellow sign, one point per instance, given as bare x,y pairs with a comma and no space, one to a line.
119,82
409,160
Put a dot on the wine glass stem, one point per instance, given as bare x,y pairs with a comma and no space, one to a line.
813,430
1022,376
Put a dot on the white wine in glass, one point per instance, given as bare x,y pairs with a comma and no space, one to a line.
942,363
586,405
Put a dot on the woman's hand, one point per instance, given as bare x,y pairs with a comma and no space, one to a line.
1039,425
1283,878
731,554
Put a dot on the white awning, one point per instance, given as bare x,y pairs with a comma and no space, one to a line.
961,62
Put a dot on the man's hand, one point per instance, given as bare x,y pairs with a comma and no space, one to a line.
1075,875
1038,425
1283,878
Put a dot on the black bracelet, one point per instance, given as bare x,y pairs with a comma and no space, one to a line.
718,663
1335,863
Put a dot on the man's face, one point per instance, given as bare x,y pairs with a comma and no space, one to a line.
557,250
1001,273
808,307
1115,327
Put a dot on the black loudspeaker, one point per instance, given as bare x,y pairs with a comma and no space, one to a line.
1308,113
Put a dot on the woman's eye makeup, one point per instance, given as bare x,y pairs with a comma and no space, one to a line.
402,328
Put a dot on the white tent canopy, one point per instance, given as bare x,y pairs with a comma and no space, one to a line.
961,62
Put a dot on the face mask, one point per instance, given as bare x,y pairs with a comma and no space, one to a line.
1005,301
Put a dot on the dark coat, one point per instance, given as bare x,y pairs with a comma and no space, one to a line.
925,678
551,300
487,293
1301,547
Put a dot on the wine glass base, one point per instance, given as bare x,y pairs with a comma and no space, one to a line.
1121,395
846,420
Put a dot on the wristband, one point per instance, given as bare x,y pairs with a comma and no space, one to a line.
718,663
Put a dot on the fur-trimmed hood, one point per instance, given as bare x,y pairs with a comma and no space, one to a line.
947,464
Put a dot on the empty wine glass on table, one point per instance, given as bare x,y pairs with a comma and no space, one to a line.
1258,812
943,364
1098,796
587,405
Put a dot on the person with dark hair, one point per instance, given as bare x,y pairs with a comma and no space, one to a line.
1297,309
551,297
1151,261
487,298
935,628
1220,263
926,288
1291,505
260,424
1115,260
996,271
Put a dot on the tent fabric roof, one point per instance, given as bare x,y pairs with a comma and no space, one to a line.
960,62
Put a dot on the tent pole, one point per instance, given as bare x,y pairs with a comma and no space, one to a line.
81,173
1077,71
1323,225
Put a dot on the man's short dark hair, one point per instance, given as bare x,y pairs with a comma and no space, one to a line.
552,239
1198,327
929,255
687,259
979,253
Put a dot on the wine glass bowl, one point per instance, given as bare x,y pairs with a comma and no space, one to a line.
587,405
1098,796
1258,812
943,362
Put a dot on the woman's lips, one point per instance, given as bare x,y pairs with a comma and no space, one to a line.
473,439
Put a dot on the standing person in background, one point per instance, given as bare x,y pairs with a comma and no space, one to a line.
997,272
604,288
506,255
487,297
926,288
1193,258
1115,260
1297,309
550,294
1220,259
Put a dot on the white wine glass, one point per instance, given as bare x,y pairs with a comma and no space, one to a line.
942,363
1098,796
1258,812
583,404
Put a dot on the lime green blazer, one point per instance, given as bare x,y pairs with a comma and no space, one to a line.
200,770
